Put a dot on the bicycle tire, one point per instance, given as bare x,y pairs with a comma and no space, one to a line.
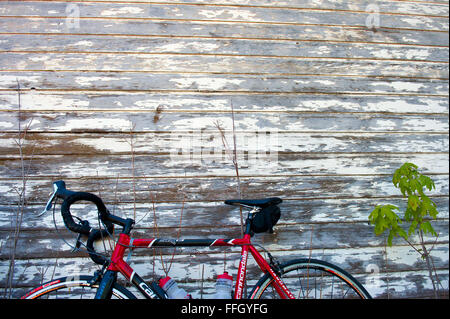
69,287
306,274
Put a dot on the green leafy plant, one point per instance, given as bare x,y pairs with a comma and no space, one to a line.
419,212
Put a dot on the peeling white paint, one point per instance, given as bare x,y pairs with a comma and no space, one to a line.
182,102
406,86
325,82
106,144
205,83
89,80
230,14
84,43
122,11
11,80
205,47
39,58
406,53
5,125
196,46
114,124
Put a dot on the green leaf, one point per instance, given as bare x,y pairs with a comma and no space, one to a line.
390,237
409,214
422,211
412,228
416,186
388,212
427,182
427,228
402,233
396,177
412,167
404,186
432,211
413,202
374,214
396,231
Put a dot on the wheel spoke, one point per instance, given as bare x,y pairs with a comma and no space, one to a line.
312,279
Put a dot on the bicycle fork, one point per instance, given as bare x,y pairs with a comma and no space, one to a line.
104,291
108,280
105,288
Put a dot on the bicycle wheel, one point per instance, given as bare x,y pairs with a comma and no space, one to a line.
74,287
311,279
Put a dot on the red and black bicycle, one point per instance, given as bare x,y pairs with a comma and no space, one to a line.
295,279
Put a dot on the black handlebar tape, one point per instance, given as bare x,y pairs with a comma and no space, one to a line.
62,191
93,236
78,196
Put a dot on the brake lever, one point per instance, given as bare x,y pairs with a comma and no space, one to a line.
77,244
50,201
78,240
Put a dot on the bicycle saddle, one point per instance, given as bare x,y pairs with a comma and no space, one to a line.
264,202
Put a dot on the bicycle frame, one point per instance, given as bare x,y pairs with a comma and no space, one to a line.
118,264
104,281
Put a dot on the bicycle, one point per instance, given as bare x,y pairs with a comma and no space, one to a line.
299,278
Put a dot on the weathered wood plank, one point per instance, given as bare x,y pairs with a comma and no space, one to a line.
204,214
218,189
209,146
36,244
215,102
162,120
216,64
240,47
160,166
114,81
226,30
230,14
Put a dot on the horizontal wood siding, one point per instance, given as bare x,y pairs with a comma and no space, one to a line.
124,101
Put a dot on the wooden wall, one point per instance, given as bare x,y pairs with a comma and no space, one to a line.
116,92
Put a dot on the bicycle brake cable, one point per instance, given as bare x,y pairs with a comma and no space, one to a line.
273,261
74,248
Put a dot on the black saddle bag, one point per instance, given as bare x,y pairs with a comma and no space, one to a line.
265,219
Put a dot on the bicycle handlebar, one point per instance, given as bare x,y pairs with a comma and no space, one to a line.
70,197
80,196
